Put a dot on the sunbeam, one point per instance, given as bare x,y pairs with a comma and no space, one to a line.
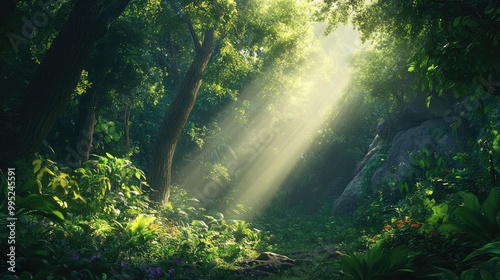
260,154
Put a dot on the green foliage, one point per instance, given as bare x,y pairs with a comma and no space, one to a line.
40,205
377,264
480,224
108,131
373,164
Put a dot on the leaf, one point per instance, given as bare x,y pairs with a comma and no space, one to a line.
491,205
471,201
456,22
492,248
472,217
107,139
411,68
42,205
104,127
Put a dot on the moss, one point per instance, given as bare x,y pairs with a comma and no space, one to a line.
373,164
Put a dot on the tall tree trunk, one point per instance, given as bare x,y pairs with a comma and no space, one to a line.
160,169
56,77
79,151
126,127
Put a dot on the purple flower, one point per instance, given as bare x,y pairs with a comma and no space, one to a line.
187,271
124,264
95,256
155,272
98,238
171,271
75,256
178,261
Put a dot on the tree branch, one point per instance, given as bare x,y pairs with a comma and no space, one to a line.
194,37
111,12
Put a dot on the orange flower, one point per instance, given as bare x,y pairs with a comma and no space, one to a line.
407,221
433,232
415,225
153,227
400,224
387,227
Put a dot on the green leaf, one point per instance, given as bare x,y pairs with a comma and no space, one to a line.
472,217
471,201
456,22
104,127
492,248
491,205
411,68
107,139
41,205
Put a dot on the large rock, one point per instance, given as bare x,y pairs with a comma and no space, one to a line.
433,135
417,127
348,200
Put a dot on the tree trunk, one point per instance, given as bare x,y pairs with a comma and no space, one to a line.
126,127
56,77
175,118
79,151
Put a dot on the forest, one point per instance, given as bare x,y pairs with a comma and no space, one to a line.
250,139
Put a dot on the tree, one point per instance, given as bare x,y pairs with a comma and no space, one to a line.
239,40
455,45
123,75
56,77
175,118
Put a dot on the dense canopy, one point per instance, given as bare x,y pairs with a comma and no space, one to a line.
250,139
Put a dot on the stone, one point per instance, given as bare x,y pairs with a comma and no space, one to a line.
266,263
433,135
348,200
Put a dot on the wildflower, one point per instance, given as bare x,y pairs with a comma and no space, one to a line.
75,256
178,261
153,227
171,271
124,264
95,256
155,272
387,227
98,238
415,225
187,271
433,232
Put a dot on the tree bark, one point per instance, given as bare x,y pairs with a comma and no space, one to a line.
84,126
126,126
160,169
56,77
